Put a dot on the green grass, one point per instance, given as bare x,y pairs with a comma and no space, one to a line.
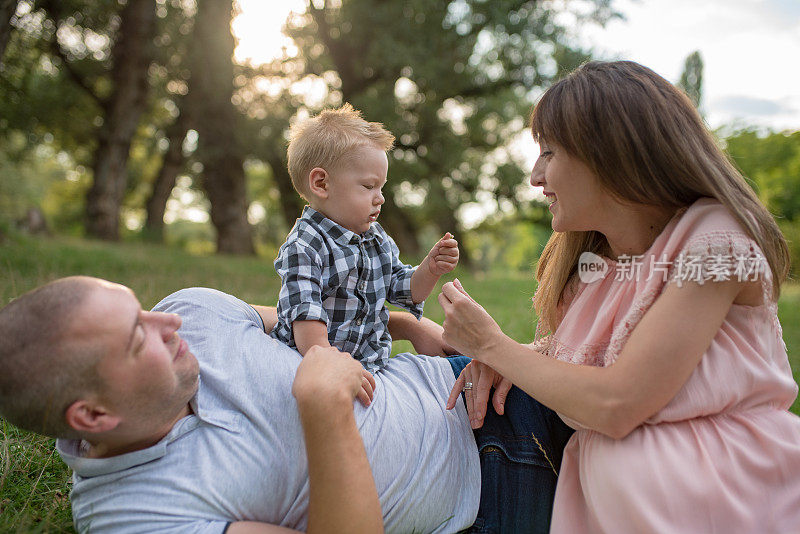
34,483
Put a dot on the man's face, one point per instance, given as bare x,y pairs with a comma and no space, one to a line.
355,184
147,370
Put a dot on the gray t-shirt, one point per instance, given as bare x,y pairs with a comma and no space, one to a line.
241,455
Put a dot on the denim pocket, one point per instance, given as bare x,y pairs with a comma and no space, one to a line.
527,432
516,497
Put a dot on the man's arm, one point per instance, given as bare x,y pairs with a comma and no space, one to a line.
342,493
425,335
269,315
306,333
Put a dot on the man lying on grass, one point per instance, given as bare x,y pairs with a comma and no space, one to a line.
190,418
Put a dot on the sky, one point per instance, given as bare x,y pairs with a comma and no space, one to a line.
750,49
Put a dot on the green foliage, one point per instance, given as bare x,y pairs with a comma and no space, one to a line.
34,484
452,80
692,77
508,246
40,177
772,162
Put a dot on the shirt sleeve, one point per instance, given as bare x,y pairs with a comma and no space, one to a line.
399,292
300,299
204,304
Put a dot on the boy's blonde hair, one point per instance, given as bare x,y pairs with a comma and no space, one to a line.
322,140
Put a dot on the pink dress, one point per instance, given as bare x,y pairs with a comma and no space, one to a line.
723,456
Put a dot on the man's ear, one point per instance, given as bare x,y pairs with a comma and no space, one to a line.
318,182
91,417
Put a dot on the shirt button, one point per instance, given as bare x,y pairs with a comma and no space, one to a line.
362,286
359,321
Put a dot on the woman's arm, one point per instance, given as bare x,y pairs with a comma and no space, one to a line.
660,355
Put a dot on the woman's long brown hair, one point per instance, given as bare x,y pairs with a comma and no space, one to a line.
648,145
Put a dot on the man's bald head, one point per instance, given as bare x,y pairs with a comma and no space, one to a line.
43,368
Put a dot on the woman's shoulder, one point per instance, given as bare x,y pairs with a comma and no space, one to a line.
708,226
709,215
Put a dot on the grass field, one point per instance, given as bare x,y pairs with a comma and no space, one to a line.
34,483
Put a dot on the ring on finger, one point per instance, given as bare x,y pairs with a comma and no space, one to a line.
467,386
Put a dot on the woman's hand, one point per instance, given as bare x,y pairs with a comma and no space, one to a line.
483,378
467,326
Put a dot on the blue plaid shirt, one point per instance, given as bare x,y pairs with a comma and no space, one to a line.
343,279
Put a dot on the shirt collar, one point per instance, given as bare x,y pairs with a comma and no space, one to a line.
73,451
337,232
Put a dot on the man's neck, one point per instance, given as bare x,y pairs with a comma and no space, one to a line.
115,446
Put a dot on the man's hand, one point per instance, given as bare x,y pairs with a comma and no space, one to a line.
367,391
443,257
425,335
327,375
342,494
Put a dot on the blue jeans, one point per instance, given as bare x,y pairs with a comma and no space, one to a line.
520,455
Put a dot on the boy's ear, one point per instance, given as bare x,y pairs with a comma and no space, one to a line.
318,182
91,417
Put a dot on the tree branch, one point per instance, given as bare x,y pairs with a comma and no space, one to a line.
74,75
52,8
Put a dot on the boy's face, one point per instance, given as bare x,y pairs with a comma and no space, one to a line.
354,188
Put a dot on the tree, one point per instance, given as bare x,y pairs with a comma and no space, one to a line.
112,77
452,80
7,10
691,81
177,32
217,123
131,54
772,162
172,164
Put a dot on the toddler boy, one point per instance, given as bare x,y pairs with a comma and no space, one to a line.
338,267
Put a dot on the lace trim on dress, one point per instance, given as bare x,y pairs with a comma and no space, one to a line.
587,354
705,258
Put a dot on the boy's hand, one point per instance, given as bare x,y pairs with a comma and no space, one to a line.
443,257
367,388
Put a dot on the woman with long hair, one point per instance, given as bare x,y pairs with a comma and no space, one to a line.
658,337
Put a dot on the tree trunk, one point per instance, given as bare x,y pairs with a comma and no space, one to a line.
291,203
7,10
171,166
131,54
216,120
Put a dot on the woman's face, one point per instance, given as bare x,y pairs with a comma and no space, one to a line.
577,201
